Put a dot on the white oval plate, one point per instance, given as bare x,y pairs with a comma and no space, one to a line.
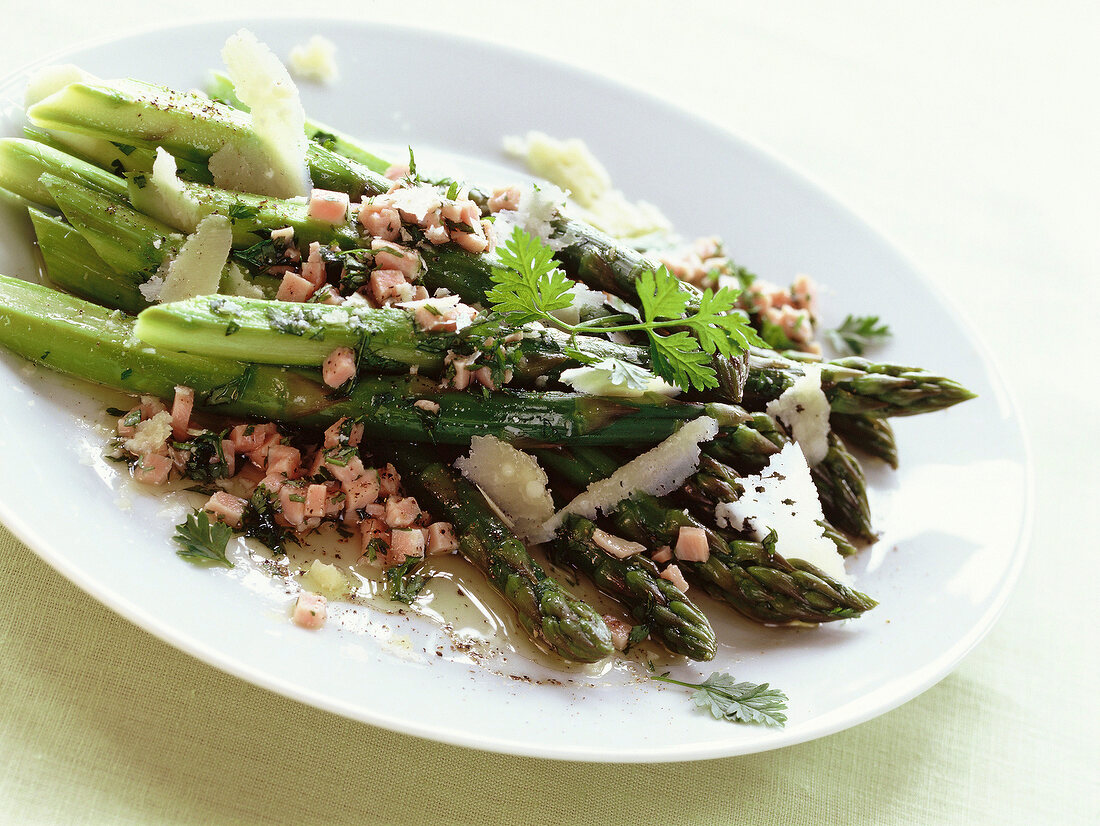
953,519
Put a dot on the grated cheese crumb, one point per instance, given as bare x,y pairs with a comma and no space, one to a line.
150,435
783,498
315,60
324,579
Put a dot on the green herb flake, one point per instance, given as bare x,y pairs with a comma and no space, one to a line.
242,212
736,702
402,584
858,334
201,540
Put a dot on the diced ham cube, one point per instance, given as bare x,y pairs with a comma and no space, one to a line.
427,405
339,366
335,435
347,473
405,543
484,376
283,236
152,469
326,205
273,484
672,574
371,529
294,288
389,286
441,538
400,513
226,507
396,171
182,404
258,457
382,222
662,555
474,242
362,491
615,545
620,632
151,406
390,480
505,198
310,611
248,437
284,460
315,500
292,502
692,545
124,430
390,256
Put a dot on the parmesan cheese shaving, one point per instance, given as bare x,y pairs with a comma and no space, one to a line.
597,381
569,164
538,206
658,471
783,498
276,164
513,481
234,282
164,197
150,435
49,79
804,410
315,60
197,268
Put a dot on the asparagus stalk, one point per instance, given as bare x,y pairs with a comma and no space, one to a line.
73,265
90,342
870,434
654,602
23,162
549,613
748,575
842,489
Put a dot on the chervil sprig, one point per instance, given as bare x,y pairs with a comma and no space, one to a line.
736,702
858,333
201,540
530,287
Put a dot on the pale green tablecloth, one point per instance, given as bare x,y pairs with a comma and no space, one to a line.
103,723
966,132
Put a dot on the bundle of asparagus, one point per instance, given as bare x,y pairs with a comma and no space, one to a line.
480,333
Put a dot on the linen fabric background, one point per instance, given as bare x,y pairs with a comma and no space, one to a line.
966,133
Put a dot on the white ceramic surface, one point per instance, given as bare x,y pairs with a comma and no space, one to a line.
954,518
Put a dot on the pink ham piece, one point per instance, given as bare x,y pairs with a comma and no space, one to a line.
662,555
182,404
339,366
620,632
400,513
294,288
151,406
362,491
152,469
226,507
389,256
249,437
389,286
310,611
292,504
334,435
230,457
505,198
315,501
371,529
405,543
284,460
379,221
328,206
346,473
313,270
672,574
692,545
390,480
441,538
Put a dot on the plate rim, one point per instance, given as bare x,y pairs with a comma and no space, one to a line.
931,674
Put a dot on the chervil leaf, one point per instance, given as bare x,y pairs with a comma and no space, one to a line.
203,541
661,294
858,333
736,702
529,286
678,360
719,326
403,584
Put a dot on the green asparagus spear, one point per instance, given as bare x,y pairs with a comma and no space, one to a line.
842,489
23,162
549,613
654,602
748,575
870,434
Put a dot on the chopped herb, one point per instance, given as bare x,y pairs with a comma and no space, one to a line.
326,139
206,458
296,497
203,541
258,521
118,168
242,212
375,548
232,389
404,586
126,373
736,702
139,181
412,164
858,334
637,634
340,456
775,337
132,418
116,412
125,148
231,328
